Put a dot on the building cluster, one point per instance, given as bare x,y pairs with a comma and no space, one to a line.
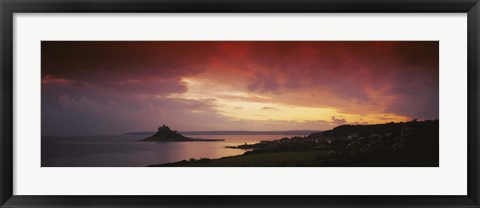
339,146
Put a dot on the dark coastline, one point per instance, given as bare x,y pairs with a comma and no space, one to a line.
404,144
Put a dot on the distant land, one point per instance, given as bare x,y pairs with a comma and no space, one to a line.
165,134
404,144
289,132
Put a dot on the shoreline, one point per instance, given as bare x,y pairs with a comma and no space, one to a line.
404,144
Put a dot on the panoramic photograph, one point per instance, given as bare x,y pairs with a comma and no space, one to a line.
239,104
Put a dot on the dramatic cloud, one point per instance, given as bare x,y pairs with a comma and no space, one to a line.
338,121
107,87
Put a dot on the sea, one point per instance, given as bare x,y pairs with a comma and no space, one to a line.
128,151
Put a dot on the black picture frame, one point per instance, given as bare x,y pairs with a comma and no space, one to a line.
9,7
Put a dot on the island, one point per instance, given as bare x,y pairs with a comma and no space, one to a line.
165,134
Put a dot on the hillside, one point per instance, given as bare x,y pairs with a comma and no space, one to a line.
405,144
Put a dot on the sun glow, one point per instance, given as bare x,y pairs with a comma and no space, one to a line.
242,105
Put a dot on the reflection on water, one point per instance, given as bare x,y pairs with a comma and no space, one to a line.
126,150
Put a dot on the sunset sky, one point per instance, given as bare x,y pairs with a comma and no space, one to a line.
110,87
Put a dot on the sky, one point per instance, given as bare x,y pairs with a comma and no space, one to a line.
114,87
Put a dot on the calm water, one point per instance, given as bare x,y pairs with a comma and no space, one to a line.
126,150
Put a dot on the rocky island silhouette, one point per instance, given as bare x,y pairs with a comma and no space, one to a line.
165,134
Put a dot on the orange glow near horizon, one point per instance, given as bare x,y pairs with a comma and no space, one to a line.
242,105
